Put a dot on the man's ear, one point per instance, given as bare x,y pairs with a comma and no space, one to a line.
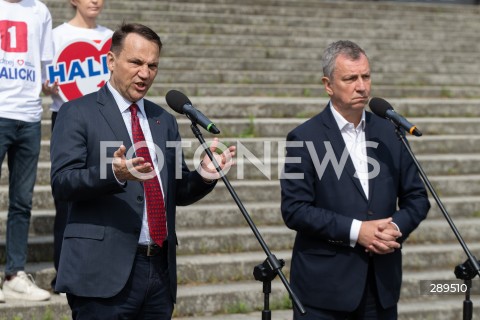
327,84
110,60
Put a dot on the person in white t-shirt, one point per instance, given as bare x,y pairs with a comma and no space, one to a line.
26,47
83,26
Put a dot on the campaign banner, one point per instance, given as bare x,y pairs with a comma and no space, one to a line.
80,67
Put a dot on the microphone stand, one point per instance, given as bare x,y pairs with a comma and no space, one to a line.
271,266
471,267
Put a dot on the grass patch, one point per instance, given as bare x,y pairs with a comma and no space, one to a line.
237,307
250,131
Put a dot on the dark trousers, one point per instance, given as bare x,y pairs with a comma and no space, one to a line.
145,296
369,308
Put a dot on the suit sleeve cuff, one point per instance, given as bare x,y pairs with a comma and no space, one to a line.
121,183
396,226
354,232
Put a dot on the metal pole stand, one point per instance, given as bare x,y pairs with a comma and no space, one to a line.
273,264
471,267
264,273
466,272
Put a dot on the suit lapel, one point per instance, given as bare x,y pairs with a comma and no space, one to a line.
335,137
370,135
109,109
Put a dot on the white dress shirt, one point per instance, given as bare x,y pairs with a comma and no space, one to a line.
354,138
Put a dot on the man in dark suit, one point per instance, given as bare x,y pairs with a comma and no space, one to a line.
118,256
353,194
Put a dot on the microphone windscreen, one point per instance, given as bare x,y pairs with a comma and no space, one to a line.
379,106
176,100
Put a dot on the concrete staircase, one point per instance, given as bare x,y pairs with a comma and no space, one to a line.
255,69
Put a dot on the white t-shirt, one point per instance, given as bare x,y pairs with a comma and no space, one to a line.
25,44
66,33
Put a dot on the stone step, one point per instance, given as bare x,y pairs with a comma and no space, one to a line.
55,309
160,88
41,222
468,185
438,231
429,257
40,248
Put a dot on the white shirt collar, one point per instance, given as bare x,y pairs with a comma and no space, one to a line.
124,104
342,122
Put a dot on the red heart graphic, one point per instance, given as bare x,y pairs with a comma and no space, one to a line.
85,70
20,62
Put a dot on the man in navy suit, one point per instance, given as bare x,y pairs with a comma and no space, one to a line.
112,265
353,194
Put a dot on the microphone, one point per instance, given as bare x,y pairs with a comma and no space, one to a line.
181,104
384,110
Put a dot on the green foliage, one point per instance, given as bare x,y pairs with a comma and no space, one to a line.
284,303
307,92
249,132
446,93
238,307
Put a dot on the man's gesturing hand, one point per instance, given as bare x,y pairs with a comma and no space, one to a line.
225,161
135,169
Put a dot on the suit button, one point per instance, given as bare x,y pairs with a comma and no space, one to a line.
370,212
140,199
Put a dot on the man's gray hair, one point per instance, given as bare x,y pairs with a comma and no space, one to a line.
334,49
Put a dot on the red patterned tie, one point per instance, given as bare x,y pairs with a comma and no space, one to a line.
153,193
